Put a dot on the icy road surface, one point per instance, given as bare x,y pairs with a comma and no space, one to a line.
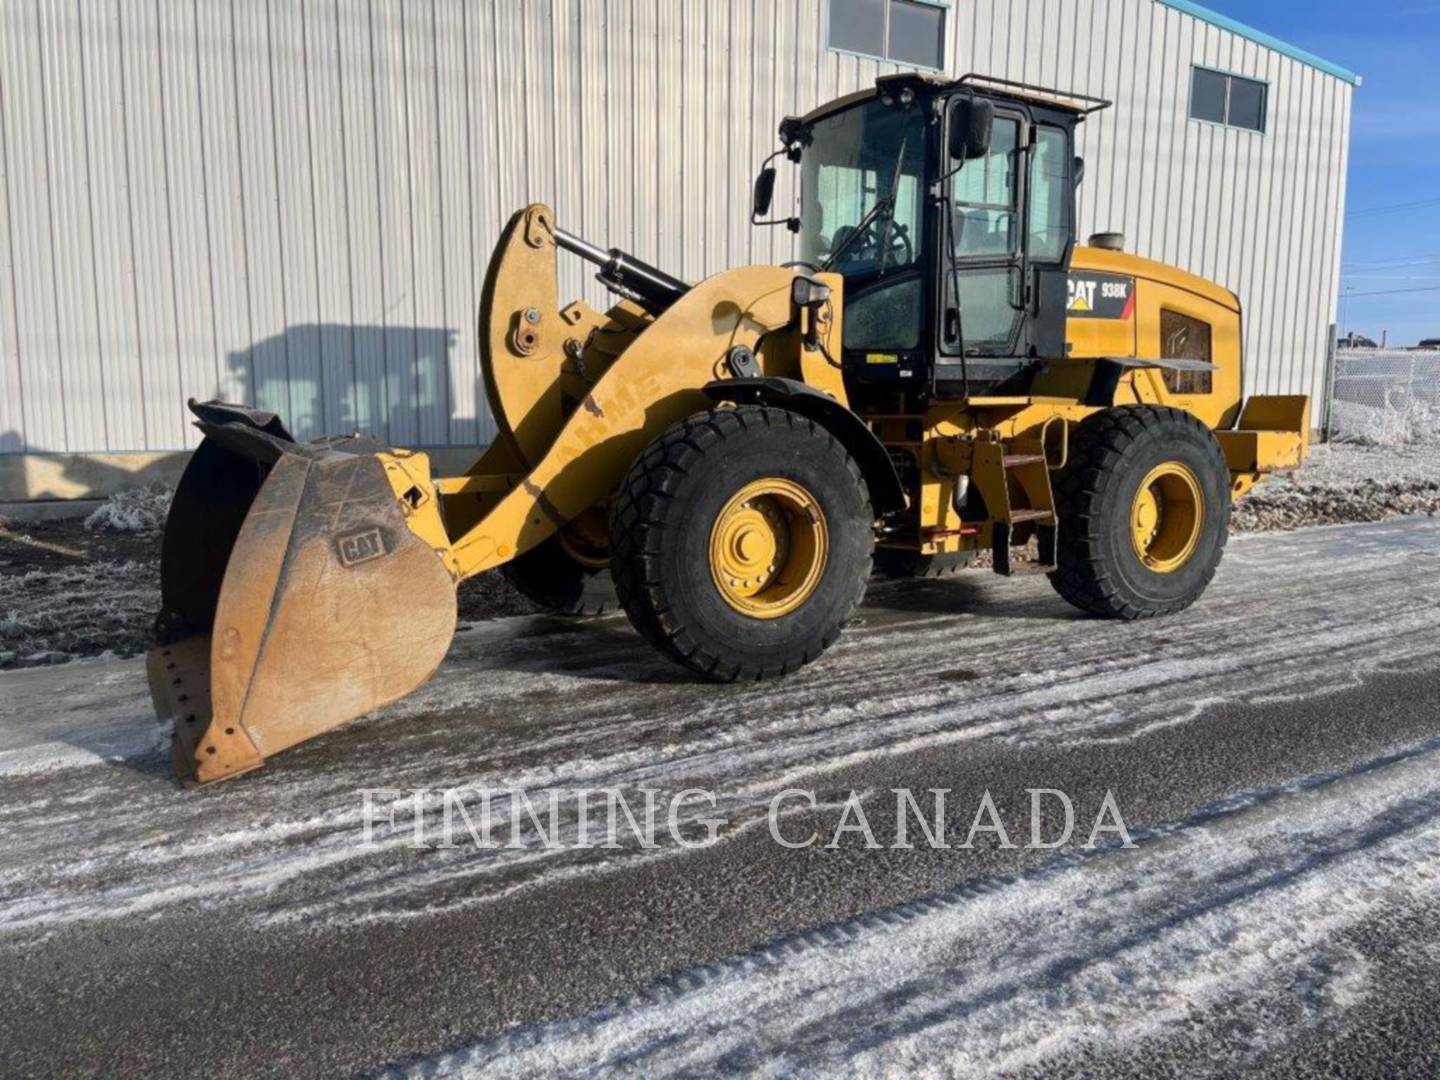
1275,754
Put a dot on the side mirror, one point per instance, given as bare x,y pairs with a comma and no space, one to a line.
1079,170
971,122
764,192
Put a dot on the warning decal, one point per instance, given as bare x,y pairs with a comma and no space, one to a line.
1101,296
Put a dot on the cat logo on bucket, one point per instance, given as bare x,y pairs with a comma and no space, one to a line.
360,547
1101,296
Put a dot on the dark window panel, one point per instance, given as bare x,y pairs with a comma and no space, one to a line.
858,25
917,34
1207,96
1184,338
1247,104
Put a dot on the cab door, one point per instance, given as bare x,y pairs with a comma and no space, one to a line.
1011,216
984,285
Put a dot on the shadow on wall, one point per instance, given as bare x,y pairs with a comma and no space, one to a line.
32,475
397,383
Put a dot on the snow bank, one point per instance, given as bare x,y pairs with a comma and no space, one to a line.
1386,397
1398,424
140,509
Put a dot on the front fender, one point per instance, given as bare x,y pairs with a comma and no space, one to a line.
887,494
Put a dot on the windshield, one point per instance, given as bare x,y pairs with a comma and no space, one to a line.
849,169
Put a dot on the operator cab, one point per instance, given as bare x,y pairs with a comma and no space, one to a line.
949,209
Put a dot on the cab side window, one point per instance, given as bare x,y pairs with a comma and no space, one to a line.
1184,338
1050,189
986,197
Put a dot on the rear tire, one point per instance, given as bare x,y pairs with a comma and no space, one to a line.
548,576
1144,507
723,489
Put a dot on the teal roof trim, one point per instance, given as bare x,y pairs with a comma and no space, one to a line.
1214,18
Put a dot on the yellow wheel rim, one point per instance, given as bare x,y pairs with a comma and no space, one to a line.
768,548
1167,517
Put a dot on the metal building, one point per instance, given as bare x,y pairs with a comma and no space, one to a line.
292,204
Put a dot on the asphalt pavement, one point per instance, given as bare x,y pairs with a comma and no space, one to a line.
1273,904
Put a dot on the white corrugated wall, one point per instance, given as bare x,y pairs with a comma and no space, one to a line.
292,202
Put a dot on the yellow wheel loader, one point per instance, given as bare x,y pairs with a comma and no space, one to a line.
943,373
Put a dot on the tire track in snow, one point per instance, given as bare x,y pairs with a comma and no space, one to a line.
99,843
1239,912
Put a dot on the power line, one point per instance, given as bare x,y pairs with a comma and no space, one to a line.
1390,264
1393,206
1389,292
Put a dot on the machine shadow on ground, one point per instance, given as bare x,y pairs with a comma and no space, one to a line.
970,592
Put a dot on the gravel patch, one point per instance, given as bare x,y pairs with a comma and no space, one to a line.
72,589
1343,484
85,609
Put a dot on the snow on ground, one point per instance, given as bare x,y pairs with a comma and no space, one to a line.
52,614
141,509
546,705
1233,919
65,723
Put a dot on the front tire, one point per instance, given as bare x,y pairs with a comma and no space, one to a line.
741,542
1144,508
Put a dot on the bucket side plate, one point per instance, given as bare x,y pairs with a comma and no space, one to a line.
330,607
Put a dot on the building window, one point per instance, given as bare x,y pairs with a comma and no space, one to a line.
908,32
1184,338
1228,99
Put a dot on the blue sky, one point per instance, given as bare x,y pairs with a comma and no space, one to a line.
1395,148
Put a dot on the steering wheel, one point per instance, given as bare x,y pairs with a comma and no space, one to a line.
902,251
868,247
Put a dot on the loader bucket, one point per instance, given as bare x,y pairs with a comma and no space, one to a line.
296,595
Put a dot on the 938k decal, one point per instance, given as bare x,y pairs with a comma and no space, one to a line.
1101,296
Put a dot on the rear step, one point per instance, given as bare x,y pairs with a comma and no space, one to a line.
1007,476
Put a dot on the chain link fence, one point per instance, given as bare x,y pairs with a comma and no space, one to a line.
1385,397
